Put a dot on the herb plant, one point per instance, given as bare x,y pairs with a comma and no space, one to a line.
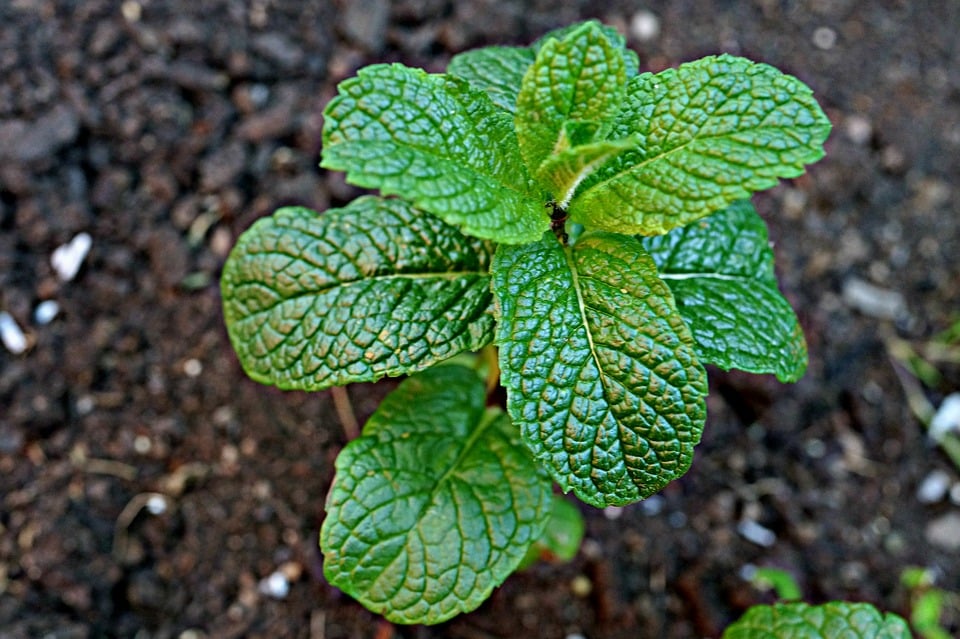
588,220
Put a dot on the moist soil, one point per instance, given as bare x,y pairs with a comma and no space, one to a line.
149,489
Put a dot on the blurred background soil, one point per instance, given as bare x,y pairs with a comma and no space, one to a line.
148,489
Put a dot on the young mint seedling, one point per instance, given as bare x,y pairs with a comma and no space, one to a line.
589,220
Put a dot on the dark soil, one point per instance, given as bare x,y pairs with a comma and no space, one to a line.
164,129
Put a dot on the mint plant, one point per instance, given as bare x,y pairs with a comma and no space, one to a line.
828,621
589,221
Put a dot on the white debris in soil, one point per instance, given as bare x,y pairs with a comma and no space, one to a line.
11,334
644,26
824,38
276,585
157,505
945,532
67,258
652,505
45,312
858,129
955,493
575,635
947,418
872,300
192,367
934,487
613,512
755,533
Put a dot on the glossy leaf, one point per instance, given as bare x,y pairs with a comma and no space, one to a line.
720,270
711,132
834,620
376,288
575,84
435,505
438,143
600,369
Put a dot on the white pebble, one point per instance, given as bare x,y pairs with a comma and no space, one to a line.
192,367
652,505
872,300
824,38
45,312
644,26
157,505
947,418
67,258
276,585
945,532
755,533
11,334
858,129
613,512
934,487
575,635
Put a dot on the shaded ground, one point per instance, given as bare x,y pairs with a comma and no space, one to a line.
163,129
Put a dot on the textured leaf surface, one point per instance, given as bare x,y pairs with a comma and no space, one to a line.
600,369
575,80
499,70
438,143
435,505
720,270
834,620
712,132
376,288
561,173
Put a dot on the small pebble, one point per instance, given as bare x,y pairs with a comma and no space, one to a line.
192,367
644,26
613,512
11,334
945,532
157,505
824,38
757,534
872,300
934,487
276,585
947,418
858,129
67,258
45,312
652,505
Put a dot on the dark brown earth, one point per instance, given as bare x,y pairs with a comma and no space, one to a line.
164,129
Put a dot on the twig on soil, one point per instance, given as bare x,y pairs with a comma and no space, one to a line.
348,419
121,529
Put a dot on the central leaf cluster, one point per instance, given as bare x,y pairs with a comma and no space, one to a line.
603,327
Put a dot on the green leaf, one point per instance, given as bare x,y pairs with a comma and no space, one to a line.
435,505
712,132
561,536
437,142
600,369
376,288
574,83
499,70
834,620
496,70
720,270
